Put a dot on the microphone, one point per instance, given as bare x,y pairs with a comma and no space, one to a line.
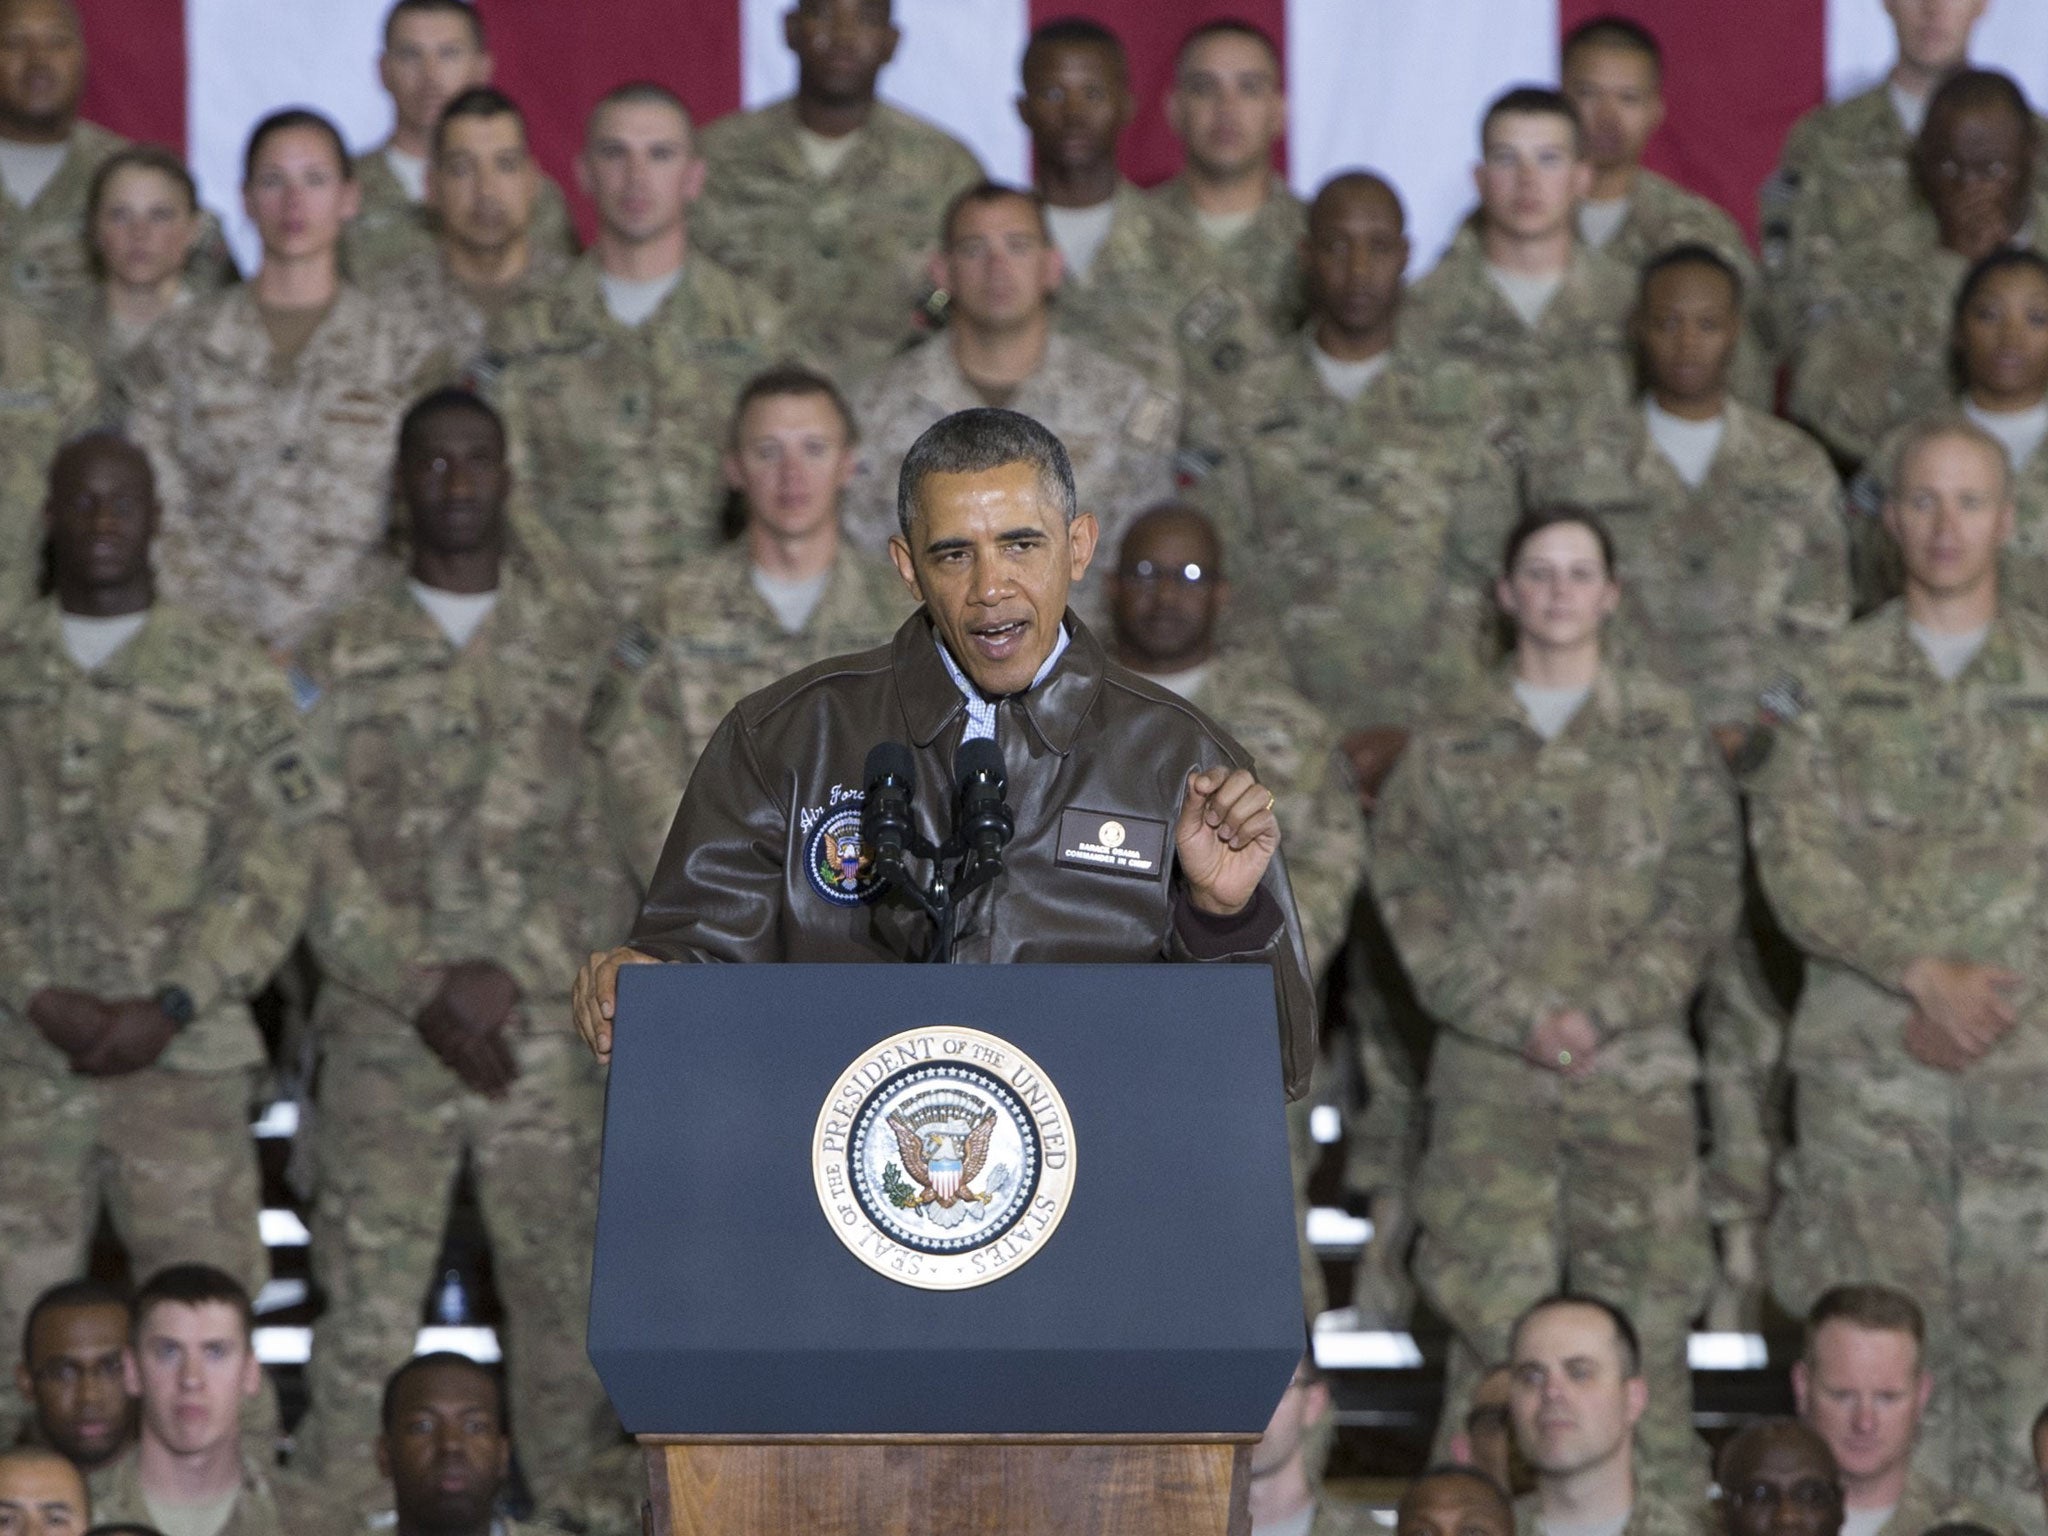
985,821
885,823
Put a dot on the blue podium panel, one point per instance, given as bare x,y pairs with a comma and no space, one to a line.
1167,1300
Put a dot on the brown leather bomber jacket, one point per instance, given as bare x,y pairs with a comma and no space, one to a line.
764,863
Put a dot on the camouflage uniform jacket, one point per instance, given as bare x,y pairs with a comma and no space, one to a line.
847,254
275,481
617,432
44,255
1662,214
1366,533
1124,304
706,641
1926,1504
1118,429
1248,289
1899,816
1294,752
1880,573
1598,870
1578,348
151,813
1878,345
1842,181
48,390
468,824
118,1499
392,227
1724,583
467,329
1648,1516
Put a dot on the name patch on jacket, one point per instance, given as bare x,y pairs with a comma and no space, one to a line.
1116,845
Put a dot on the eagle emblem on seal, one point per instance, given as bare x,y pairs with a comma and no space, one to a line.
942,1161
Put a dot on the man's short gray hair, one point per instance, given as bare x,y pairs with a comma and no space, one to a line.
968,442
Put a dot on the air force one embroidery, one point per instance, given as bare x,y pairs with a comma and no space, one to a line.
943,1158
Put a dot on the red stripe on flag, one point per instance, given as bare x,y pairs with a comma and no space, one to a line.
1152,35
557,59
1737,74
135,77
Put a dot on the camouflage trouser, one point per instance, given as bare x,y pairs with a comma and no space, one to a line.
167,1153
1939,1186
1599,1193
1383,1142
391,1126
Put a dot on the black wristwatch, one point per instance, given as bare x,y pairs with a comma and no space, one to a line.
176,1005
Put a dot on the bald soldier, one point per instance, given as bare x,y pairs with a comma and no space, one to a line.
1518,294
617,383
41,1494
1898,825
829,199
48,157
1776,1477
1001,349
434,50
483,187
1613,74
1878,334
790,591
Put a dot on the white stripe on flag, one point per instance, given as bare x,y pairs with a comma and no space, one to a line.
1398,89
957,66
2013,36
246,58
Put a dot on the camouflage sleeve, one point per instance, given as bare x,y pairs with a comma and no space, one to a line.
1812,597
637,729
1651,973
1816,853
1325,837
257,874
148,391
1457,977
1842,382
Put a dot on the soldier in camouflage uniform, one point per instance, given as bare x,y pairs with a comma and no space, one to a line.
142,217
1843,177
1518,295
43,254
1614,75
151,801
481,186
1001,349
1285,1466
1556,861
463,876
2003,359
1076,103
828,200
1877,348
268,410
1363,499
617,411
434,50
1898,823
48,390
789,592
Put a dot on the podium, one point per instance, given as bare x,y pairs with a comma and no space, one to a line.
801,1305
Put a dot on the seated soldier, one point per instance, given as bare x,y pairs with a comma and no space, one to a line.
999,348
1777,1476
1454,1500
72,1376
192,1361
1578,1395
2000,349
41,1494
1284,1500
1877,348
445,1449
790,591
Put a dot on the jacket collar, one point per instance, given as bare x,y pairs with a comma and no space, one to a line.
1056,707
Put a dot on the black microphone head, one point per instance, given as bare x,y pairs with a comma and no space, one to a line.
890,760
981,758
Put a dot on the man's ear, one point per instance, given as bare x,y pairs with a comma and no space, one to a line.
1636,1393
384,1457
1082,536
24,1383
899,552
1802,1386
131,1372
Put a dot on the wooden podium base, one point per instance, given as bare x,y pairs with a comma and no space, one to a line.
1017,1485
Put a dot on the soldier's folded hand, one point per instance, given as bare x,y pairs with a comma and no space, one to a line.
137,1032
1971,1004
1372,754
1564,1042
464,1024
71,1020
1932,1047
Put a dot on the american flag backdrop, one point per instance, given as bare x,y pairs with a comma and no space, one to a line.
1393,85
